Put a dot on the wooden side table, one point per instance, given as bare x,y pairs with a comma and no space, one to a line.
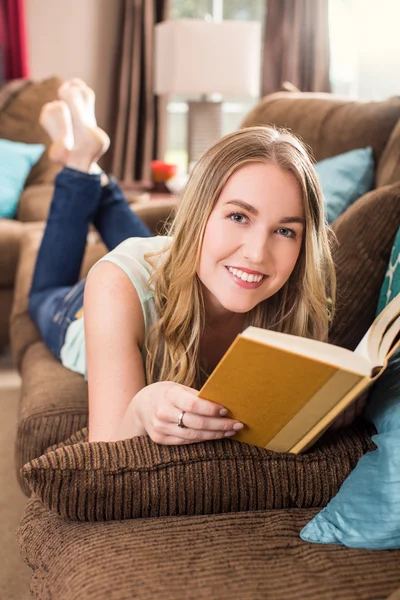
143,192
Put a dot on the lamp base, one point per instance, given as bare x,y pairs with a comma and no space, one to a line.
204,127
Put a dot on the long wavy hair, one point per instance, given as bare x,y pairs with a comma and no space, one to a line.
304,306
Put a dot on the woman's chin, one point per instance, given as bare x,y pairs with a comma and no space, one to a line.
238,307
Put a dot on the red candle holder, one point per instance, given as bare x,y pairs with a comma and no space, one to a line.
160,173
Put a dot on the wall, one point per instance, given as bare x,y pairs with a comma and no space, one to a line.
75,38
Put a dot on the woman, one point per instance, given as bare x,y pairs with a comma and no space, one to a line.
248,246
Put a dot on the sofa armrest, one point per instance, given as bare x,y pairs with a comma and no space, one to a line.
34,203
35,200
156,214
10,238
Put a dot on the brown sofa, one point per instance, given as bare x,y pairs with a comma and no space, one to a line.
251,549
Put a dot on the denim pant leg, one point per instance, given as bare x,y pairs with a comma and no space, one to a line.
114,220
55,309
55,293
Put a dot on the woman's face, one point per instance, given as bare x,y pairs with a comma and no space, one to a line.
252,239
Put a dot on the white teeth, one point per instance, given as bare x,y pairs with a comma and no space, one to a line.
245,276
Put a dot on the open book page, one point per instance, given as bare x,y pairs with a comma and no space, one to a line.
386,347
315,350
379,338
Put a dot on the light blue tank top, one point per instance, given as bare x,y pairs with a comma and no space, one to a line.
129,256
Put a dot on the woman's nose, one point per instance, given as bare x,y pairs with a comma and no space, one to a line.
256,248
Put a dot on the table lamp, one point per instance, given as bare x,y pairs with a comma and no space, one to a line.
196,57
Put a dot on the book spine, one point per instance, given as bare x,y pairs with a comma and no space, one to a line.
330,416
314,410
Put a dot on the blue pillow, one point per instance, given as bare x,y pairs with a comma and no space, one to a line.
365,513
16,161
391,284
345,178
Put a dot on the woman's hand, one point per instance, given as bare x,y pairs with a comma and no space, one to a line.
354,410
159,406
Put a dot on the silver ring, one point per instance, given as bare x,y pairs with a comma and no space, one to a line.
180,420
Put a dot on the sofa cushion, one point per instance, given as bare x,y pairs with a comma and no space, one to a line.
16,162
34,202
391,284
389,166
10,89
366,511
328,124
365,234
248,555
19,122
344,179
133,478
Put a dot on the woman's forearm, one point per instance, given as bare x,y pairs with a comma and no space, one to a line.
130,425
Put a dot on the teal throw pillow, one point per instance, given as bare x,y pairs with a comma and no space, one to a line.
16,161
391,284
365,513
345,178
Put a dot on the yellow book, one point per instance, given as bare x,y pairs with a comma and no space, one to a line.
287,389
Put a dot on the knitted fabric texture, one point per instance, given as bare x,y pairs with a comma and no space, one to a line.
100,481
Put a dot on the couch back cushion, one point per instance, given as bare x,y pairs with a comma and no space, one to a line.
34,202
389,166
19,122
365,235
329,125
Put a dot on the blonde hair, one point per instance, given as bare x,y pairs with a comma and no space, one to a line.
303,306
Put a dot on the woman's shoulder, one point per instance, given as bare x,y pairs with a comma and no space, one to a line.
133,251
130,257
138,247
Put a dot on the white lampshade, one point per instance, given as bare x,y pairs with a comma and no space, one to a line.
202,57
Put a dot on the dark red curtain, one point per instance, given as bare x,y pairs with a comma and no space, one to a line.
13,43
296,46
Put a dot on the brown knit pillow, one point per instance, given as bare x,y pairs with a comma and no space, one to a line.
99,481
365,233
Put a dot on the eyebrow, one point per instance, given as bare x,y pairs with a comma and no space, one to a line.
252,210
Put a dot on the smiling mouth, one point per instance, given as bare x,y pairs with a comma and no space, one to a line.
244,276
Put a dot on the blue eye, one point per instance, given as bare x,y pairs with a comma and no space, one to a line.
237,217
285,232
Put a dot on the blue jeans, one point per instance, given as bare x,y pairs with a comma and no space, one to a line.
56,293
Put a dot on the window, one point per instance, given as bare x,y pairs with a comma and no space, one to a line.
233,109
343,47
365,48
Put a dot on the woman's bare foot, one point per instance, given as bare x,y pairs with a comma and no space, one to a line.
90,142
55,118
